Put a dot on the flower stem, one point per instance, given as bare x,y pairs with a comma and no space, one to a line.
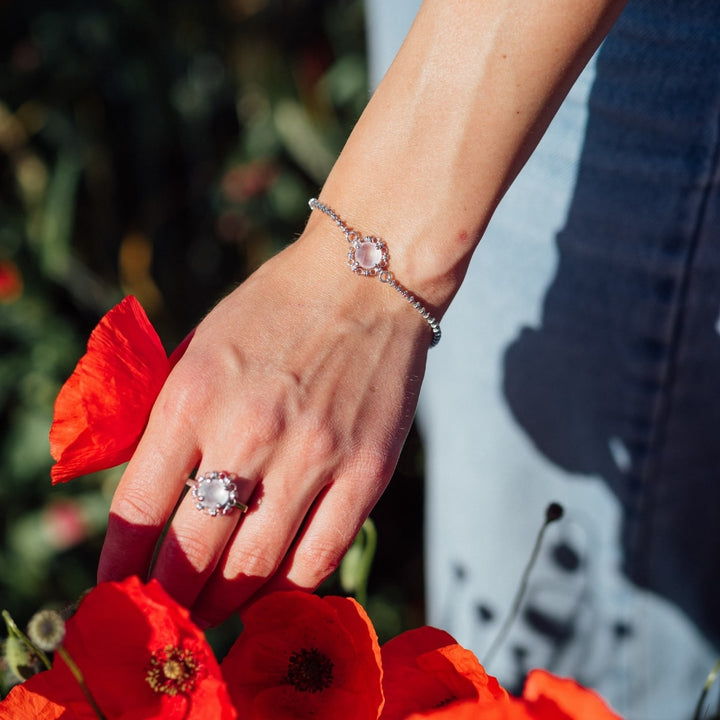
553,512
77,674
712,676
15,631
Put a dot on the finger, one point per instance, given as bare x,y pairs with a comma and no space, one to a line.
196,539
255,552
317,552
332,525
145,499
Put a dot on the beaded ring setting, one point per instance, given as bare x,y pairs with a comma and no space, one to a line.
368,256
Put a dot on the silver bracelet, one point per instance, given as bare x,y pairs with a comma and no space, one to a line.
368,256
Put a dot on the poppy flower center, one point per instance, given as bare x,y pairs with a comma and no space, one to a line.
309,670
173,671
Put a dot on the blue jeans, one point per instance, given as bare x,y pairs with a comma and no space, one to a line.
580,363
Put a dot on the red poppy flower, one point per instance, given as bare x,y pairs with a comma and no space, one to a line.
425,669
302,656
103,407
428,675
141,657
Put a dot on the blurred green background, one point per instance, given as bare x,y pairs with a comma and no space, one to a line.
162,149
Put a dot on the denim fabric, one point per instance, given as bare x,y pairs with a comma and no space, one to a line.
580,362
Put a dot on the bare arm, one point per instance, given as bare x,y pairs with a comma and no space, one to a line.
462,107
304,380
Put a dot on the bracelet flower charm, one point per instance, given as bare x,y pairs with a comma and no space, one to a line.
367,256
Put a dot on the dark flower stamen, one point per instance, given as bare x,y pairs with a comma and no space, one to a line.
173,671
310,670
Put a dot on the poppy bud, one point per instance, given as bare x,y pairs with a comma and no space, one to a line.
553,512
46,630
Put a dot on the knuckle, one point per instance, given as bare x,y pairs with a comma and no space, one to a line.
190,547
315,442
184,398
264,423
372,465
315,561
251,561
316,449
133,506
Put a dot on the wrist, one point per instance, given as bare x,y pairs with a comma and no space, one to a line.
321,275
429,248
368,256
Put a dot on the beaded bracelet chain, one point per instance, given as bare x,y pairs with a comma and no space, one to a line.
368,256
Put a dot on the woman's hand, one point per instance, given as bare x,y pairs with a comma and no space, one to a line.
303,382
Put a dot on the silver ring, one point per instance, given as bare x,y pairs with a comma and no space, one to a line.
215,493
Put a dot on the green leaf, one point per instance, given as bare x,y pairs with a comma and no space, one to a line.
351,567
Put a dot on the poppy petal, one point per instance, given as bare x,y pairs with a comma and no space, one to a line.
29,701
310,653
411,643
457,665
472,710
425,669
102,409
281,703
550,697
358,624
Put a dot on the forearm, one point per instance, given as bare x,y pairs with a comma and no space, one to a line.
460,110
